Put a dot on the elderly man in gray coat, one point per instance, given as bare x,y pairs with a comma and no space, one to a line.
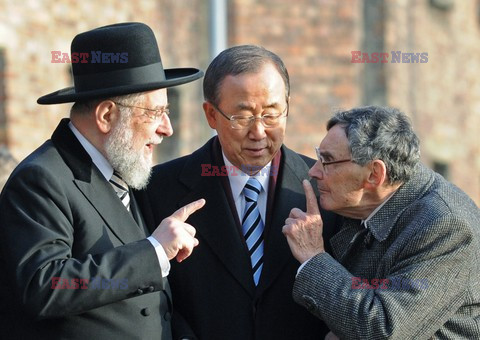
405,262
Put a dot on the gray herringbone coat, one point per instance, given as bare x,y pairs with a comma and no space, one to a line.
428,233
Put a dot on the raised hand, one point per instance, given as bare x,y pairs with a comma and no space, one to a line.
304,229
177,237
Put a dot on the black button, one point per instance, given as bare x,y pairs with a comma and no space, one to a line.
145,312
139,291
151,289
167,316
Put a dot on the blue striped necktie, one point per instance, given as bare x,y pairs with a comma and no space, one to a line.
252,227
121,188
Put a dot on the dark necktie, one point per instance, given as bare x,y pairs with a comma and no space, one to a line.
252,227
121,188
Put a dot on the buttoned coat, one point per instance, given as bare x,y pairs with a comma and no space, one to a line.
425,242
213,289
60,218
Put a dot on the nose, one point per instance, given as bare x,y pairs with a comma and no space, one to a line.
257,130
165,127
316,171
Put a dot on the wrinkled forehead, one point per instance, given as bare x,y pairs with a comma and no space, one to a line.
156,98
335,143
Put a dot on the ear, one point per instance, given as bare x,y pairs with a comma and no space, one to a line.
377,175
210,114
106,114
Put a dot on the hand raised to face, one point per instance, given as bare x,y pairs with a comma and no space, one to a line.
304,229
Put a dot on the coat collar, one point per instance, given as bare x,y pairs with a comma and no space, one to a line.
94,186
289,193
222,234
382,223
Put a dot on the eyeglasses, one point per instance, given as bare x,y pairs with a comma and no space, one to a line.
324,163
269,120
155,113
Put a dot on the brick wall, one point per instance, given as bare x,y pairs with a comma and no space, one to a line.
30,30
315,39
442,96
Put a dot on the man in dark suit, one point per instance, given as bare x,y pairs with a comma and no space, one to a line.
406,263
238,284
76,262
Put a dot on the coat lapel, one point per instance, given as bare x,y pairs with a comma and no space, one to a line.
94,187
137,215
118,219
288,194
349,234
384,220
220,233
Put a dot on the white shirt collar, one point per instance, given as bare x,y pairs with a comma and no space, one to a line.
97,158
238,178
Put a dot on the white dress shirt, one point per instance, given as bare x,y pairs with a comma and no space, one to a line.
238,179
107,171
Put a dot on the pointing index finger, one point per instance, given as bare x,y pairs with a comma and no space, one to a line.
312,205
184,212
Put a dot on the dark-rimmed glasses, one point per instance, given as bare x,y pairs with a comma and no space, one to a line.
325,163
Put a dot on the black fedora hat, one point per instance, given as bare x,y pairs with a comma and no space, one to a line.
117,60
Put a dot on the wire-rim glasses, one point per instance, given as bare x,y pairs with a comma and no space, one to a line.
269,120
155,113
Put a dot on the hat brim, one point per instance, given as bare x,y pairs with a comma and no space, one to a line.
174,77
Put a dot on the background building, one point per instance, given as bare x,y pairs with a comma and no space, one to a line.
317,39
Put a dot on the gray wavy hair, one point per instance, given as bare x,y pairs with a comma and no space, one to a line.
384,133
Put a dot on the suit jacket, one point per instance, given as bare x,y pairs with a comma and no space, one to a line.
60,218
213,291
425,242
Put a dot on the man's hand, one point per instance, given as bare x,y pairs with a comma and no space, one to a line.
304,230
177,237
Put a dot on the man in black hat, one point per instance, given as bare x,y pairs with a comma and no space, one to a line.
76,259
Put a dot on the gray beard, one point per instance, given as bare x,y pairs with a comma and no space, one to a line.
134,168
